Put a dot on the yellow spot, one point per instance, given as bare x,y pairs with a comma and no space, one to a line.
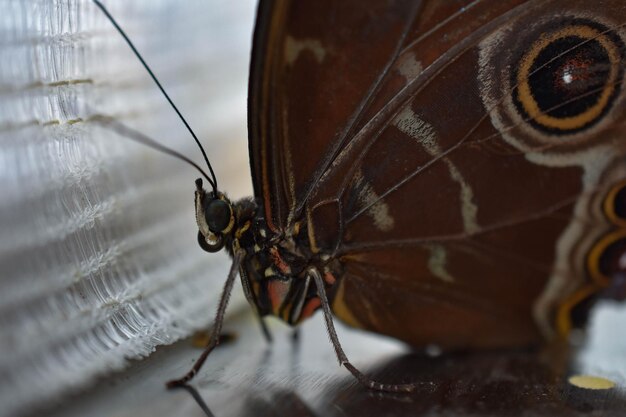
564,313
311,233
201,339
342,311
593,260
242,230
591,382
609,204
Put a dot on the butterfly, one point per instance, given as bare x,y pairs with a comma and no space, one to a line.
447,172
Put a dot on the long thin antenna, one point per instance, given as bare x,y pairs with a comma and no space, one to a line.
137,136
145,65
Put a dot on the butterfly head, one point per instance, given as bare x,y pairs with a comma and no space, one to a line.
215,218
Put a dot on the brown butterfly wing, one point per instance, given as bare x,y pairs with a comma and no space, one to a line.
388,128
309,73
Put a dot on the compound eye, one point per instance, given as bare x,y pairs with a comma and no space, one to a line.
218,215
211,246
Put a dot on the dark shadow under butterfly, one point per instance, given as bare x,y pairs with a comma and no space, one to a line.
442,172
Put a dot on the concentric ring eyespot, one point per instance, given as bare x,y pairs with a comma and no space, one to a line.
608,257
615,204
568,78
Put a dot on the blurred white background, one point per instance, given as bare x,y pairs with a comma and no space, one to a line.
98,255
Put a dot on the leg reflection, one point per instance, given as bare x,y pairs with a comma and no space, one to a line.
196,396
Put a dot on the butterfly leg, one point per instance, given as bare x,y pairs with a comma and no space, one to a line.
199,400
264,329
341,356
295,336
217,326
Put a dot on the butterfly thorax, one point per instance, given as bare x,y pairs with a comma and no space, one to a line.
275,266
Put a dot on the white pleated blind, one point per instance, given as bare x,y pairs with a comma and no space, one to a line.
98,255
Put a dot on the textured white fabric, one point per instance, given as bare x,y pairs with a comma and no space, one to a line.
98,253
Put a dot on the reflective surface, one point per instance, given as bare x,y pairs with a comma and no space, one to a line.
300,377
